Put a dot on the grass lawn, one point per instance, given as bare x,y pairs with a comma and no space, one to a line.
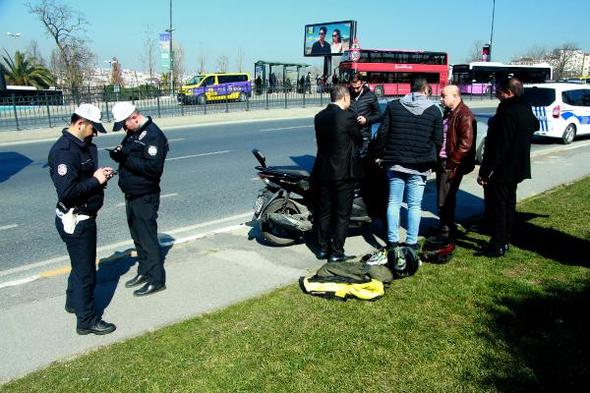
475,324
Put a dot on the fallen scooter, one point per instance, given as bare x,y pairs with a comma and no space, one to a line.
284,206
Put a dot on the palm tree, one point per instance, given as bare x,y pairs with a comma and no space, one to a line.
26,71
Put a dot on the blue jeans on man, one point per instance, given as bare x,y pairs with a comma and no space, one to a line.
413,186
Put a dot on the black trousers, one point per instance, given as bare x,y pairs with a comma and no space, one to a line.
332,209
500,205
81,246
142,215
447,188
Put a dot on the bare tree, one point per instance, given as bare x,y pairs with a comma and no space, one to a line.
149,51
562,60
73,58
533,55
201,61
239,59
178,64
116,73
475,52
33,51
222,63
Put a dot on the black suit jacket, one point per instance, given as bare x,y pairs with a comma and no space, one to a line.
339,139
508,143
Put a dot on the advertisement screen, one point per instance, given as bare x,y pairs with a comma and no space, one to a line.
328,39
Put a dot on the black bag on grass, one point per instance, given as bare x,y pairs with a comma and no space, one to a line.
403,261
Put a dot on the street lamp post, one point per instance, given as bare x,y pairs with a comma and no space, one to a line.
492,28
171,74
13,35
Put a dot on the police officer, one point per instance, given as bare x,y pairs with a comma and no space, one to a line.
80,183
141,157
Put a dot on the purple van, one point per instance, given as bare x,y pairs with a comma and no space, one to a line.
216,87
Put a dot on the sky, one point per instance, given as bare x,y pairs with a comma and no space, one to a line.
274,30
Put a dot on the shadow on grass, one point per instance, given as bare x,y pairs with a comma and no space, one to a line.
549,242
541,337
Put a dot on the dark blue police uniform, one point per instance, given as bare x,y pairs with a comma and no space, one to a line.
72,163
141,163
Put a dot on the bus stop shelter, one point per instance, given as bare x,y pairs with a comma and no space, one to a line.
264,70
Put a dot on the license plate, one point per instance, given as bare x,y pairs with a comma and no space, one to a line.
258,205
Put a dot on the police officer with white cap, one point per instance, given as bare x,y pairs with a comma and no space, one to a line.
80,183
141,157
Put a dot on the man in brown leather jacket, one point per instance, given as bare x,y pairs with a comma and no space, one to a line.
456,157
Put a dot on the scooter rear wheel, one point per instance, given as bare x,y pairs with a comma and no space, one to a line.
272,234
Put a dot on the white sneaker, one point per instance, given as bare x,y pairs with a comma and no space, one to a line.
378,257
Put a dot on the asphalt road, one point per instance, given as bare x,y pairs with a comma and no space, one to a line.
209,178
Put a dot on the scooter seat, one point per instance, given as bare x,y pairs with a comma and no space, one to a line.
289,170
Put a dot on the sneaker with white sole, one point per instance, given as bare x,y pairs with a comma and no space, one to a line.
378,258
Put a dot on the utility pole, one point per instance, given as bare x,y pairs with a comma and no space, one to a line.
492,28
170,30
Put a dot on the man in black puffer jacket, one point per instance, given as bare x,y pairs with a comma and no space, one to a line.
408,142
365,107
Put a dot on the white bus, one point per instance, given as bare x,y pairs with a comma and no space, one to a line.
477,78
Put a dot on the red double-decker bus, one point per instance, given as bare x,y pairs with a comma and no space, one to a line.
395,69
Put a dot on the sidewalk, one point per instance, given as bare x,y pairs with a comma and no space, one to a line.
32,135
207,274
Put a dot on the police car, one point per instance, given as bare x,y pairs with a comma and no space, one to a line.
563,109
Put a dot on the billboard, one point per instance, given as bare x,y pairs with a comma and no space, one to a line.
328,39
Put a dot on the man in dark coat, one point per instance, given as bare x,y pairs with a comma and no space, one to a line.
506,162
336,169
141,156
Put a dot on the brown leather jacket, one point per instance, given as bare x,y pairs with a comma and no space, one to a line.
461,139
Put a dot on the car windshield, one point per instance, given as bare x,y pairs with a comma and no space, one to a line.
539,96
195,80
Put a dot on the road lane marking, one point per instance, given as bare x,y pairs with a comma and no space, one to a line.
213,153
21,281
119,245
8,227
285,128
176,139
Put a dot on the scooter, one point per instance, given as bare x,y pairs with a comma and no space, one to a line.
284,207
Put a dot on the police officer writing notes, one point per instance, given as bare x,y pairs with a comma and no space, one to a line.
336,169
80,183
141,157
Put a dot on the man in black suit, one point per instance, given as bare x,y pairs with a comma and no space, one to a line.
506,162
336,169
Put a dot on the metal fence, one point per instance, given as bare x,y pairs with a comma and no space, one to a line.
36,111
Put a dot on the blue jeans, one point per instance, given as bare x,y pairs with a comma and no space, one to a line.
414,186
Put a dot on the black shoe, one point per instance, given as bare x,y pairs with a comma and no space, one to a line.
148,289
322,255
70,309
340,258
100,327
135,281
492,251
